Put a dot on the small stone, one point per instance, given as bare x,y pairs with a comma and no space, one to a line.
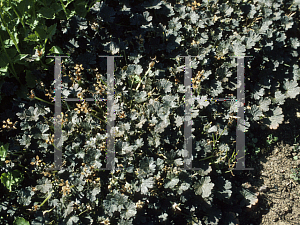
263,188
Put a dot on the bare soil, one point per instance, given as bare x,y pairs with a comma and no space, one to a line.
278,194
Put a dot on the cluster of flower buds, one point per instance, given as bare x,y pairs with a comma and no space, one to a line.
9,125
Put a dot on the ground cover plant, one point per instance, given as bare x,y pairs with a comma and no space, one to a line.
152,187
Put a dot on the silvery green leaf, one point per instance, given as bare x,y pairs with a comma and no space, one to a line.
264,104
169,101
203,39
258,94
24,125
134,69
162,125
133,115
42,127
294,43
202,101
280,37
178,162
212,129
228,10
24,196
195,113
194,17
138,69
153,120
127,148
172,183
265,26
256,112
46,186
277,118
165,85
141,123
94,192
139,142
163,112
181,88
32,113
279,98
146,183
287,22
163,216
97,6
73,220
26,140
175,24
148,165
181,9
216,88
65,93
238,48
296,72
126,126
250,197
252,39
183,187
130,210
292,89
204,187
146,16
111,47
69,209
75,89
141,96
178,121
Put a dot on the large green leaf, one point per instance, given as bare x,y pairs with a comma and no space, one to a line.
19,57
41,31
56,50
47,12
11,178
3,151
22,7
51,31
31,37
20,221
30,79
80,9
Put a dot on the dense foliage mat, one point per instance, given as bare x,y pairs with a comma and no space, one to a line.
152,188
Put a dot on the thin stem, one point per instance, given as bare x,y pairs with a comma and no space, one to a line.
291,6
143,78
49,196
63,6
83,212
97,116
43,100
21,19
10,34
10,62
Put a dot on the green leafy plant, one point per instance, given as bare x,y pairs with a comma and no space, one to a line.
270,139
149,142
3,151
10,179
295,174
